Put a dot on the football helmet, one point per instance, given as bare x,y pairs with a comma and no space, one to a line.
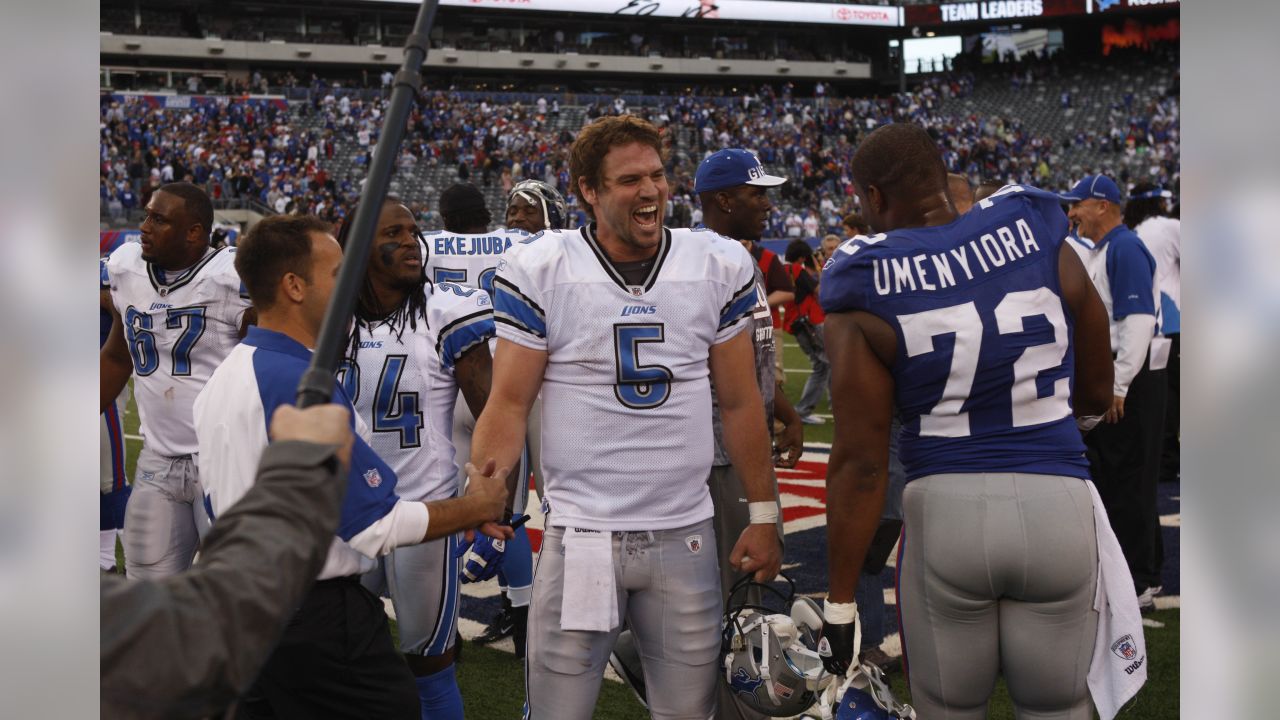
769,656
536,192
863,695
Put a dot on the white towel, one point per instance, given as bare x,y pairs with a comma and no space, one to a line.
1119,665
590,599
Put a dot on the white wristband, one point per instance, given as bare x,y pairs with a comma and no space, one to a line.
839,613
763,513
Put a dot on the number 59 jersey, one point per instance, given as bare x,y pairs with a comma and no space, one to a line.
402,385
467,259
178,331
626,387
984,369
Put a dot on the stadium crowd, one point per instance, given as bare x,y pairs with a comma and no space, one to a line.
283,159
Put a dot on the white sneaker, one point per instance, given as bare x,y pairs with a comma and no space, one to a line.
812,419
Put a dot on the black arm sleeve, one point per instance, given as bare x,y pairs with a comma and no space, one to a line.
188,645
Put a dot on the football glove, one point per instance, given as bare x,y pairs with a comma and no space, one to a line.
482,559
836,648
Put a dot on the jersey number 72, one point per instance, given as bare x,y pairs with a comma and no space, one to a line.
948,418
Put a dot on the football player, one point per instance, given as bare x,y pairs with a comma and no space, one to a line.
414,346
622,324
466,252
985,330
178,309
534,206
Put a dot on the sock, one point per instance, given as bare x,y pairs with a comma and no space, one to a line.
440,696
107,549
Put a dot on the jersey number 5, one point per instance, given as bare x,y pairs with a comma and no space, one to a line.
142,339
639,386
947,418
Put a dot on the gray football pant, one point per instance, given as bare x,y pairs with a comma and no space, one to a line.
422,581
668,593
997,575
165,517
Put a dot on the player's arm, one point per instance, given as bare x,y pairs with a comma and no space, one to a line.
500,429
860,347
474,374
116,365
790,442
1094,369
484,502
746,440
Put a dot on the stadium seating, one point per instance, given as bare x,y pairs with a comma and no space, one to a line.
1121,118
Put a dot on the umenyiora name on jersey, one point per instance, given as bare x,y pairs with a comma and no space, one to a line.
939,271
469,244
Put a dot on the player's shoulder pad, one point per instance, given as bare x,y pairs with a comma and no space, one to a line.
844,276
451,299
541,248
721,251
125,258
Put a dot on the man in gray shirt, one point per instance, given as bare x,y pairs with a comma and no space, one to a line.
188,645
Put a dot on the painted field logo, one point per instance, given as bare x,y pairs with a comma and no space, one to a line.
1124,648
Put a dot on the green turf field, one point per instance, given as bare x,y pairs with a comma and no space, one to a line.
492,681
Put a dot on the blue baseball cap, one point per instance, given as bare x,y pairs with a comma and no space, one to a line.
730,168
1094,186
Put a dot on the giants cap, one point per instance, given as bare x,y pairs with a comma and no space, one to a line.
730,168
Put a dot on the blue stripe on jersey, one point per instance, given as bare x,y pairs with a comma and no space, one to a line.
742,303
1131,271
1170,316
103,278
462,335
512,307
985,357
278,364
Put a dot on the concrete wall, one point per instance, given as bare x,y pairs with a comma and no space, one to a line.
114,48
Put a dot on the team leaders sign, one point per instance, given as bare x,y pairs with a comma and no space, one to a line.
991,10
759,10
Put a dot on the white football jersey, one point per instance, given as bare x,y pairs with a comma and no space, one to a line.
403,387
468,259
178,332
627,378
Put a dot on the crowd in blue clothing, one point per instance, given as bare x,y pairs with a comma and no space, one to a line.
282,155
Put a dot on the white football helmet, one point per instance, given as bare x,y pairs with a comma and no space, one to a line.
863,695
770,658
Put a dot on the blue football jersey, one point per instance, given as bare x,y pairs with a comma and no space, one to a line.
984,369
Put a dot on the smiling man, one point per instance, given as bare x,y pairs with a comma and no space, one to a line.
415,345
623,325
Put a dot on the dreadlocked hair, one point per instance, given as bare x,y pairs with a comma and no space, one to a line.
404,316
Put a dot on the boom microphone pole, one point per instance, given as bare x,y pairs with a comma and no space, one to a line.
316,386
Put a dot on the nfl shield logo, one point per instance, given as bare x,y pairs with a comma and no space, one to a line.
636,290
373,477
694,542
1125,648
